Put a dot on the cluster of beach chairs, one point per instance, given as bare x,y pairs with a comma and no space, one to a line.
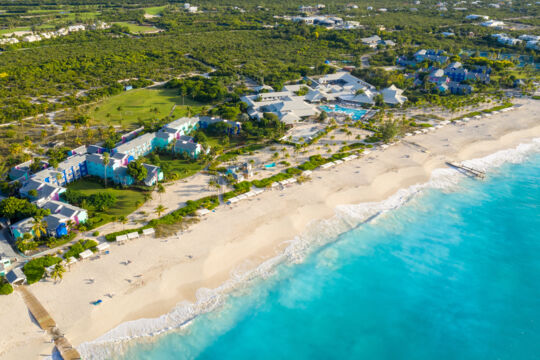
457,122
247,195
288,182
338,162
67,263
134,235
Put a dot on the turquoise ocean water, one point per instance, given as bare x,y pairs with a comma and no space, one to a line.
454,273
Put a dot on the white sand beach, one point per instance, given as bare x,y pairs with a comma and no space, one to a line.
163,272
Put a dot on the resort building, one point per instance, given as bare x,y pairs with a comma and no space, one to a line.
57,222
89,160
5,265
73,213
140,146
289,107
493,23
132,134
340,87
506,40
187,145
115,171
241,172
16,276
153,174
36,190
233,127
73,168
20,172
174,130
476,17
346,88
393,96
437,56
57,225
22,227
375,40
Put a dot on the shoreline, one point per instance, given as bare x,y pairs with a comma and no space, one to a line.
239,238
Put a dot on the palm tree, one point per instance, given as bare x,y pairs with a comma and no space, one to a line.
147,196
160,190
123,220
106,161
214,183
58,272
39,227
70,224
160,209
59,177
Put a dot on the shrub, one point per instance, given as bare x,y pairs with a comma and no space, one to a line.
95,233
100,201
352,147
55,242
240,188
175,217
263,183
314,162
17,209
34,269
5,287
79,247
293,171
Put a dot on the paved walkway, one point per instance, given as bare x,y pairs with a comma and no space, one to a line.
5,248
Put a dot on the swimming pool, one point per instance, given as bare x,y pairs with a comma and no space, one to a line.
355,114
270,165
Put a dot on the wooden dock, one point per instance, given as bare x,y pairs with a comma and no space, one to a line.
469,171
46,322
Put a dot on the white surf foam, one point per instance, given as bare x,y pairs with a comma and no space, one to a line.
318,234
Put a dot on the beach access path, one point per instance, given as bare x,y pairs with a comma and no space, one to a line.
164,272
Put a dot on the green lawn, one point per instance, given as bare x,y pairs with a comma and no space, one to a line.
155,10
177,168
9,31
141,104
126,200
136,29
81,15
43,11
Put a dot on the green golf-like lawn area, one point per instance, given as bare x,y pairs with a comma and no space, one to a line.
131,106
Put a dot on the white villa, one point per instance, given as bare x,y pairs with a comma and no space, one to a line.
289,107
493,23
393,96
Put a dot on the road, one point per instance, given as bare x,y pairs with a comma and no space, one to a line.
365,60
